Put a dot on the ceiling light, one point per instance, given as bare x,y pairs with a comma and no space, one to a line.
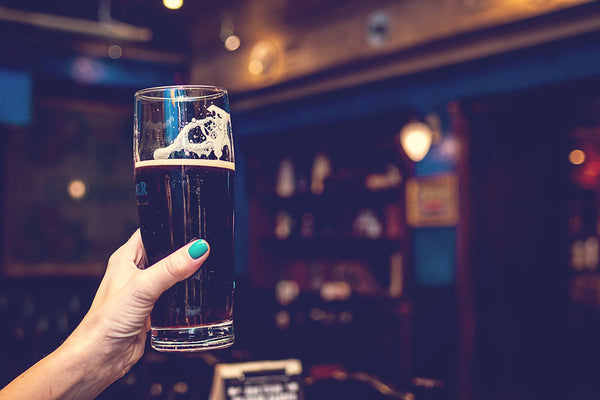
256,67
173,4
263,58
416,139
232,43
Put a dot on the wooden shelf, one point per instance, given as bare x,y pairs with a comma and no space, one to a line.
332,247
350,197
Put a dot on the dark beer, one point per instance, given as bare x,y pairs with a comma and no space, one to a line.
179,201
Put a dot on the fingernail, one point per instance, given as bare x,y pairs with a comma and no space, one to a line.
198,249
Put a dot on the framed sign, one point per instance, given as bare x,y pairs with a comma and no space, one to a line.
432,201
266,380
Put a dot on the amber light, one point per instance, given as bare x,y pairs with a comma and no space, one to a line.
232,43
77,189
577,157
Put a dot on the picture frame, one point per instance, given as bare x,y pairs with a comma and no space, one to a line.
432,201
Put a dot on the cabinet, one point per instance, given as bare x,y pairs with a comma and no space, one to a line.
327,239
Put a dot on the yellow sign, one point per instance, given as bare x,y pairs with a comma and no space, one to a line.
432,201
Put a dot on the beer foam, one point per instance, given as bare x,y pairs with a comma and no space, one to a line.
193,162
216,132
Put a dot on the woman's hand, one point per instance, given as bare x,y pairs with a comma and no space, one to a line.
111,337
119,317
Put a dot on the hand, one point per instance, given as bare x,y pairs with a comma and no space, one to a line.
111,337
119,316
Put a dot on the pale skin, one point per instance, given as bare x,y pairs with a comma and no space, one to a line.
111,337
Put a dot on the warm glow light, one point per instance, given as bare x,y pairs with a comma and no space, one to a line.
181,388
173,4
263,58
156,389
77,189
577,157
416,138
256,67
232,43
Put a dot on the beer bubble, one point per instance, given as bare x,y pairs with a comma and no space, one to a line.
196,135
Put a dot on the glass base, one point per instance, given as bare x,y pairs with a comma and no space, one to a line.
198,338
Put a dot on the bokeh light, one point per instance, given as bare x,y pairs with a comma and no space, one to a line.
77,189
232,43
577,157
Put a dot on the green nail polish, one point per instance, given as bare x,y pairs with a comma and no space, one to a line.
198,249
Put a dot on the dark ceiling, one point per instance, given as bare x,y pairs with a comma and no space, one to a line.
168,27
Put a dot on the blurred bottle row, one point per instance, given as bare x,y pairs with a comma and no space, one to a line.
294,178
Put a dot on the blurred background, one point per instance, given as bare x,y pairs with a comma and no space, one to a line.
417,208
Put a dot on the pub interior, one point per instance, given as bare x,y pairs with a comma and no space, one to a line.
417,187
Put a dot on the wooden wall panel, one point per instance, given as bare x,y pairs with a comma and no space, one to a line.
318,47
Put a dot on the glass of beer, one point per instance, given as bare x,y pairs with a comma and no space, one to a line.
184,176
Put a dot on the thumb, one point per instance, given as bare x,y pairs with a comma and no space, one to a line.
174,268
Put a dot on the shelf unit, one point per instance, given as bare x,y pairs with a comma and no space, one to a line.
328,239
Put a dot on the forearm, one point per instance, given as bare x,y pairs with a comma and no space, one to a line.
73,371
111,337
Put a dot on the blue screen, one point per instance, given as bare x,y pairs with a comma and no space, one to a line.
15,97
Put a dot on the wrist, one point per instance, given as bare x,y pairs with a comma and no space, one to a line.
94,364
90,372
71,372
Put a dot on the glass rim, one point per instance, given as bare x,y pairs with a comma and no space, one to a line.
204,92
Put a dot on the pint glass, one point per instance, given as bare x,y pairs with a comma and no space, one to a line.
184,177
